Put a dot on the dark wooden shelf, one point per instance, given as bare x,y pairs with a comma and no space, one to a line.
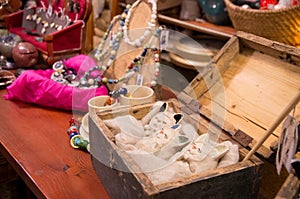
204,27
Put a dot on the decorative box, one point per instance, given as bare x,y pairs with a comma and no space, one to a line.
54,38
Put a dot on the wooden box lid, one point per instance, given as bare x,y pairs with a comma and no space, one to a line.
246,86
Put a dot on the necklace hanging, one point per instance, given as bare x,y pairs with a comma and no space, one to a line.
138,62
100,52
114,40
151,24
89,80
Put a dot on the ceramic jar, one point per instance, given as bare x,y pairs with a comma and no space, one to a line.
215,11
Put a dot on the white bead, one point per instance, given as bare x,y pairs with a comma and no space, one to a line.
109,62
153,83
142,38
151,23
137,42
147,32
128,75
113,52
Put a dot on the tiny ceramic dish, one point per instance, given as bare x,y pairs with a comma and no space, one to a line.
99,103
137,95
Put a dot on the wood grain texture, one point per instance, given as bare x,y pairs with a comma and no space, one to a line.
290,188
35,142
249,83
257,88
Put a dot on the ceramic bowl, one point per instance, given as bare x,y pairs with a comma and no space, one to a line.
97,104
137,95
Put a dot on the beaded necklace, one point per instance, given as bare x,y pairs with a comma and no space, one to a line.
76,140
151,25
114,40
99,54
87,80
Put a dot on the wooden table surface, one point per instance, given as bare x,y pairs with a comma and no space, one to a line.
35,143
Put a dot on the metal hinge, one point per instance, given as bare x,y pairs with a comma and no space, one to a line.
242,138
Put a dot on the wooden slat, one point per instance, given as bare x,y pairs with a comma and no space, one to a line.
257,87
204,27
247,85
290,188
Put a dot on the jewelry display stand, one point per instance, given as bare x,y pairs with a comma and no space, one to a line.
140,16
62,42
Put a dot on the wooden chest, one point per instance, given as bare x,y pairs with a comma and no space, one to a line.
243,89
122,178
249,83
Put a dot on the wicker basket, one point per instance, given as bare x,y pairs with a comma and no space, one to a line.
282,25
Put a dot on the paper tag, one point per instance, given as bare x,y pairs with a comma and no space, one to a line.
287,144
164,39
139,79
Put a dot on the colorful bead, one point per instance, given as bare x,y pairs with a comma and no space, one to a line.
72,130
76,140
123,91
73,134
110,101
111,81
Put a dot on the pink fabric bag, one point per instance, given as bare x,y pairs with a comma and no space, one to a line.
36,86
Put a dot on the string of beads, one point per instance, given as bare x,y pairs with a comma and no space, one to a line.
151,24
88,80
76,140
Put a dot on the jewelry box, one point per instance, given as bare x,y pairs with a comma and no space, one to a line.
57,29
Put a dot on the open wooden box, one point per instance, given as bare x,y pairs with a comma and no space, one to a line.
258,78
240,180
241,91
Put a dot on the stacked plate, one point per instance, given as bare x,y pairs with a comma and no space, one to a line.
195,53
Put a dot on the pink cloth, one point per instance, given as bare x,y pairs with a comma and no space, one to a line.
35,86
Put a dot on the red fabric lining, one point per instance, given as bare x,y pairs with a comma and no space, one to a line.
67,39
29,38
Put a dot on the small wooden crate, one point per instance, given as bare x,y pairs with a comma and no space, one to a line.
239,180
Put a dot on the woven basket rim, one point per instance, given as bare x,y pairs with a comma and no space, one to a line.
250,10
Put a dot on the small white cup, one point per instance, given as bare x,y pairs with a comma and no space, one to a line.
137,95
97,104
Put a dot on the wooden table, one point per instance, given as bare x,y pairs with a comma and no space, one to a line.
34,141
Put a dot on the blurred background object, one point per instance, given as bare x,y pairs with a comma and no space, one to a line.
215,11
